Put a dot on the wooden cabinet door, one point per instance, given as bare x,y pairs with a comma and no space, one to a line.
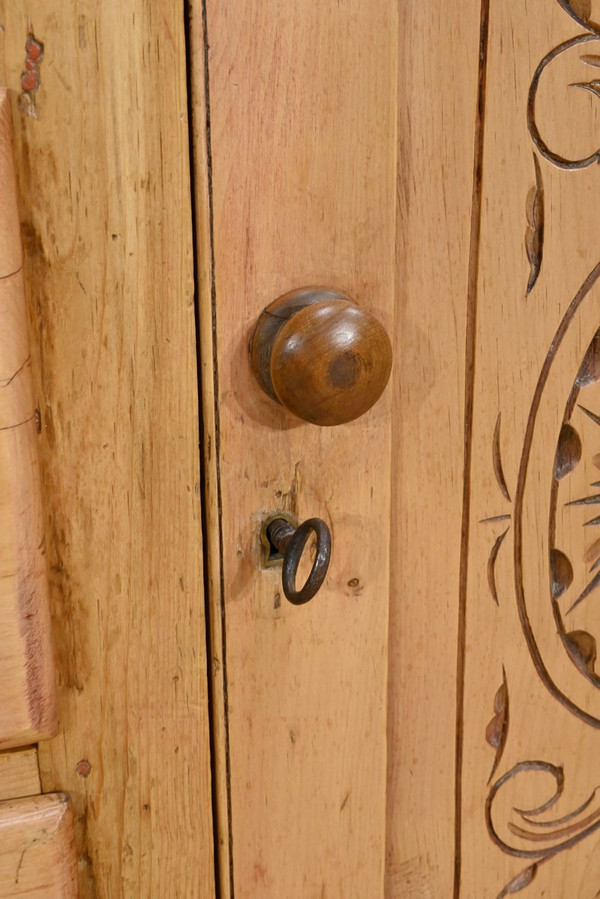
101,150
302,161
427,725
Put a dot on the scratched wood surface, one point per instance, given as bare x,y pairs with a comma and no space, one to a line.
37,848
102,159
302,130
27,681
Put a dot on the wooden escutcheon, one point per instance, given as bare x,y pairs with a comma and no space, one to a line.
316,352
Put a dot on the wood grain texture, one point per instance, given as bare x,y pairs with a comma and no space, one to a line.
106,215
532,709
28,707
438,50
37,848
19,773
302,131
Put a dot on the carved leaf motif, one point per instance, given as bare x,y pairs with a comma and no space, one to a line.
592,554
497,459
519,882
493,733
497,729
568,451
581,646
582,9
593,584
534,236
491,566
562,572
592,86
589,370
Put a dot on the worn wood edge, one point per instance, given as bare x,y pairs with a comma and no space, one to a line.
19,773
11,253
37,848
211,501
25,593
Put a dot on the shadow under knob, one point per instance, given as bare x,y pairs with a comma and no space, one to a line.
316,352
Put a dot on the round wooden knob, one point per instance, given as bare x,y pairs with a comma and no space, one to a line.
322,357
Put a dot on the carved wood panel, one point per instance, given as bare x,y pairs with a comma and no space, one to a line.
530,805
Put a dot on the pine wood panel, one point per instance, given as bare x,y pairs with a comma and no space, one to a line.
531,711
302,131
106,216
490,292
19,773
438,50
37,848
27,683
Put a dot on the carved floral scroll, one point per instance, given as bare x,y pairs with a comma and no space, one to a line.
561,622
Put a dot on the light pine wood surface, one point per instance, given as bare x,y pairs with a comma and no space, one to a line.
303,140
532,710
439,165
437,107
27,682
37,857
19,773
103,171
491,736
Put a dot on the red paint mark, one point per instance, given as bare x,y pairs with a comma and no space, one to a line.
34,49
83,768
30,81
260,874
30,78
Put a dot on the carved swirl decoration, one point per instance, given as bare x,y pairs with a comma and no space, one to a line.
558,622
541,628
540,622
580,12
534,833
593,86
